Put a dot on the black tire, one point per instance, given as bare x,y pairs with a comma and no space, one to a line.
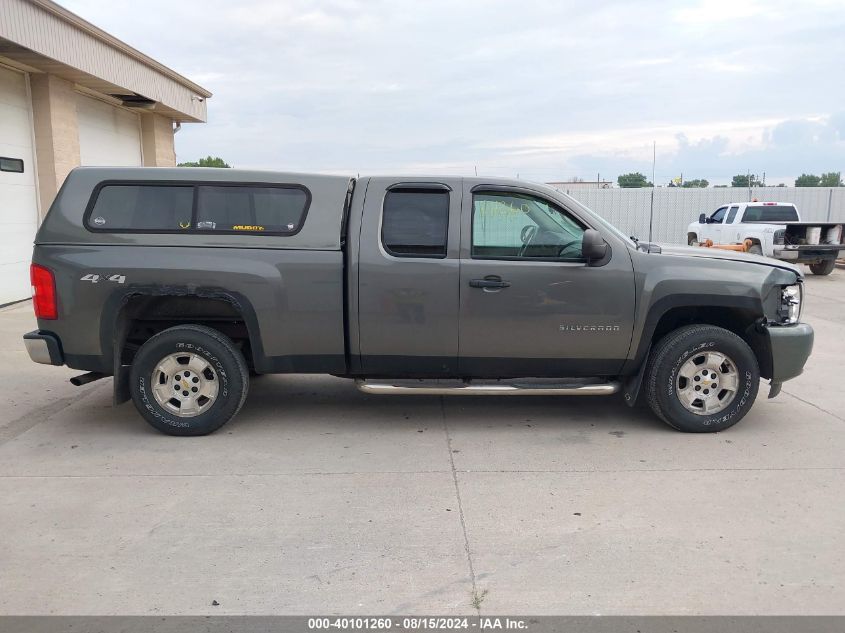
824,267
756,249
675,349
218,351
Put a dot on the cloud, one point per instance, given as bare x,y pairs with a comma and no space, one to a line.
545,90
715,12
781,151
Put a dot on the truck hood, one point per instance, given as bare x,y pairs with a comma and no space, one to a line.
717,253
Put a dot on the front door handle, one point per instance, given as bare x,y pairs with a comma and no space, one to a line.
490,281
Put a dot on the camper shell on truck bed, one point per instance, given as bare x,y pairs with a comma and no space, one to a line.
179,282
288,287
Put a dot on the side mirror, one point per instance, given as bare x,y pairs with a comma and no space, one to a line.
702,219
593,246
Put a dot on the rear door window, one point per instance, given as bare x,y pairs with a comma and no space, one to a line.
142,208
415,222
731,214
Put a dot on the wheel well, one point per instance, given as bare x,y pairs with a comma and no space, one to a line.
143,316
692,236
740,321
736,320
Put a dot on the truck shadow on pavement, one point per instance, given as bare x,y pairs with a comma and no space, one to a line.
310,403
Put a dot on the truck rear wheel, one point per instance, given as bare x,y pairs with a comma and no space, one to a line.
702,379
189,380
824,267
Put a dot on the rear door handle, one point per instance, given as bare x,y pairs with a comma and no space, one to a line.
490,281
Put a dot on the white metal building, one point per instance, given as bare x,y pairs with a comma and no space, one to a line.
70,95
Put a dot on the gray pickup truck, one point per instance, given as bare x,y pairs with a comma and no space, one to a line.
181,283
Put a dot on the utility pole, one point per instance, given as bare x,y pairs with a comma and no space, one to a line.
651,210
829,202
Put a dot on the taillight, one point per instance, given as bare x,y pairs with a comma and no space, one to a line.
43,292
779,236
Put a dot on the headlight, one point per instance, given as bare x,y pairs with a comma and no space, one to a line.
790,304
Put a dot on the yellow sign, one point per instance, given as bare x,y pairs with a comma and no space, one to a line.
246,227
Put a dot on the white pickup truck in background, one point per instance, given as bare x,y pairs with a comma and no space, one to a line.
775,230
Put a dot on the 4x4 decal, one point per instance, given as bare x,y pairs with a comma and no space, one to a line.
96,278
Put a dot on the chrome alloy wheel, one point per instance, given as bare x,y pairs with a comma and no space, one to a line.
184,384
707,383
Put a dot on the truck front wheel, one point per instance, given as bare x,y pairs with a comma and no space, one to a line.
824,267
702,379
189,380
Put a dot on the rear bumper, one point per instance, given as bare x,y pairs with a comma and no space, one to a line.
791,346
807,252
44,348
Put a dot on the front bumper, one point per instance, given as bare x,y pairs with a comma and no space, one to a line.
790,346
44,348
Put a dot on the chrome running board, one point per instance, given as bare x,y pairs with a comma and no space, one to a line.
525,387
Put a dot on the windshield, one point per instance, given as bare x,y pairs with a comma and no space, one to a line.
770,213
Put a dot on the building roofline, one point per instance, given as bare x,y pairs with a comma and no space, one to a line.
98,33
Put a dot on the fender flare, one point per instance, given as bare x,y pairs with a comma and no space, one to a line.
113,329
634,367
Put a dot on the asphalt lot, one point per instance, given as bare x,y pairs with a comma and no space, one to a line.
319,499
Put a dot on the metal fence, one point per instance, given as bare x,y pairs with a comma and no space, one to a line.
675,208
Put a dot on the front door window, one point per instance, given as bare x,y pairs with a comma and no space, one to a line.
519,226
718,215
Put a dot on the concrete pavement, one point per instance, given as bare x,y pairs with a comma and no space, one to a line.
319,499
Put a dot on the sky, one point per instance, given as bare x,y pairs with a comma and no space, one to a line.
545,91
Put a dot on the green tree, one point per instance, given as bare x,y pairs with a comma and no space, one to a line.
807,180
832,179
633,181
742,180
696,183
208,161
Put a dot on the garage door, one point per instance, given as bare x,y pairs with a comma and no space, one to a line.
108,136
18,201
